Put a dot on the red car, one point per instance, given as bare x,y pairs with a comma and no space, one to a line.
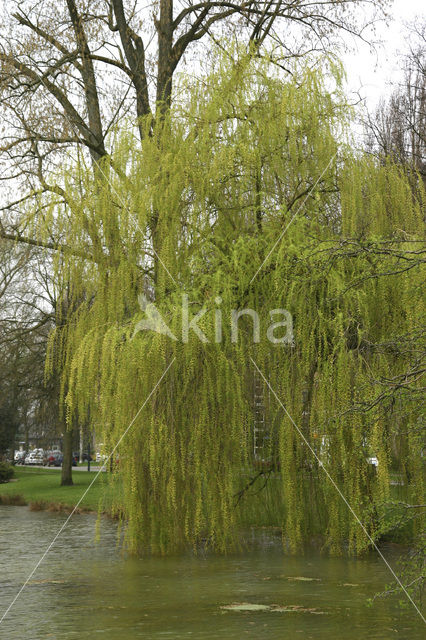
53,459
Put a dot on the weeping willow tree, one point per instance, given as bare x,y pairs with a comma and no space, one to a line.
244,157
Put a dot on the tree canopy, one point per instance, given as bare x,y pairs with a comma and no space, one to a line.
259,203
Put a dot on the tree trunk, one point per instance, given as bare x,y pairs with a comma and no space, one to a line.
165,58
27,435
66,477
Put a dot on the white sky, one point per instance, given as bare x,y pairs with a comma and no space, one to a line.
371,73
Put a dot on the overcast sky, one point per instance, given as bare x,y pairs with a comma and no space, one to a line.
371,72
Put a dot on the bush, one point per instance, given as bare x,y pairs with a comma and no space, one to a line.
6,472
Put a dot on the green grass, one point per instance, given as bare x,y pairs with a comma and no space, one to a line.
40,485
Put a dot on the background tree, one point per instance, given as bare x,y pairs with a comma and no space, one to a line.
397,130
71,71
396,134
27,317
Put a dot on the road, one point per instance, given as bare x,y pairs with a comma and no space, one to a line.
40,466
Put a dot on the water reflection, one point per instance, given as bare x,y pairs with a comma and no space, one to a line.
85,588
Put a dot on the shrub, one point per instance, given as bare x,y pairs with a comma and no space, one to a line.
6,472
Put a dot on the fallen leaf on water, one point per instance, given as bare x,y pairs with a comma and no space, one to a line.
289,608
303,579
296,608
246,606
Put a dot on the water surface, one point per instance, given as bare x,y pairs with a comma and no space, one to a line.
87,590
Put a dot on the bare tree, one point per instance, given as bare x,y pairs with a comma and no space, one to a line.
26,318
397,129
70,70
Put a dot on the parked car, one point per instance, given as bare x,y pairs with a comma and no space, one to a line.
76,455
39,456
53,458
35,457
19,457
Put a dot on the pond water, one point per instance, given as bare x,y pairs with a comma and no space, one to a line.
85,589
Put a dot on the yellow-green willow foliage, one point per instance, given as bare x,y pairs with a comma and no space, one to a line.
195,210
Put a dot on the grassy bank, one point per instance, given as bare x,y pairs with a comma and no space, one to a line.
40,489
